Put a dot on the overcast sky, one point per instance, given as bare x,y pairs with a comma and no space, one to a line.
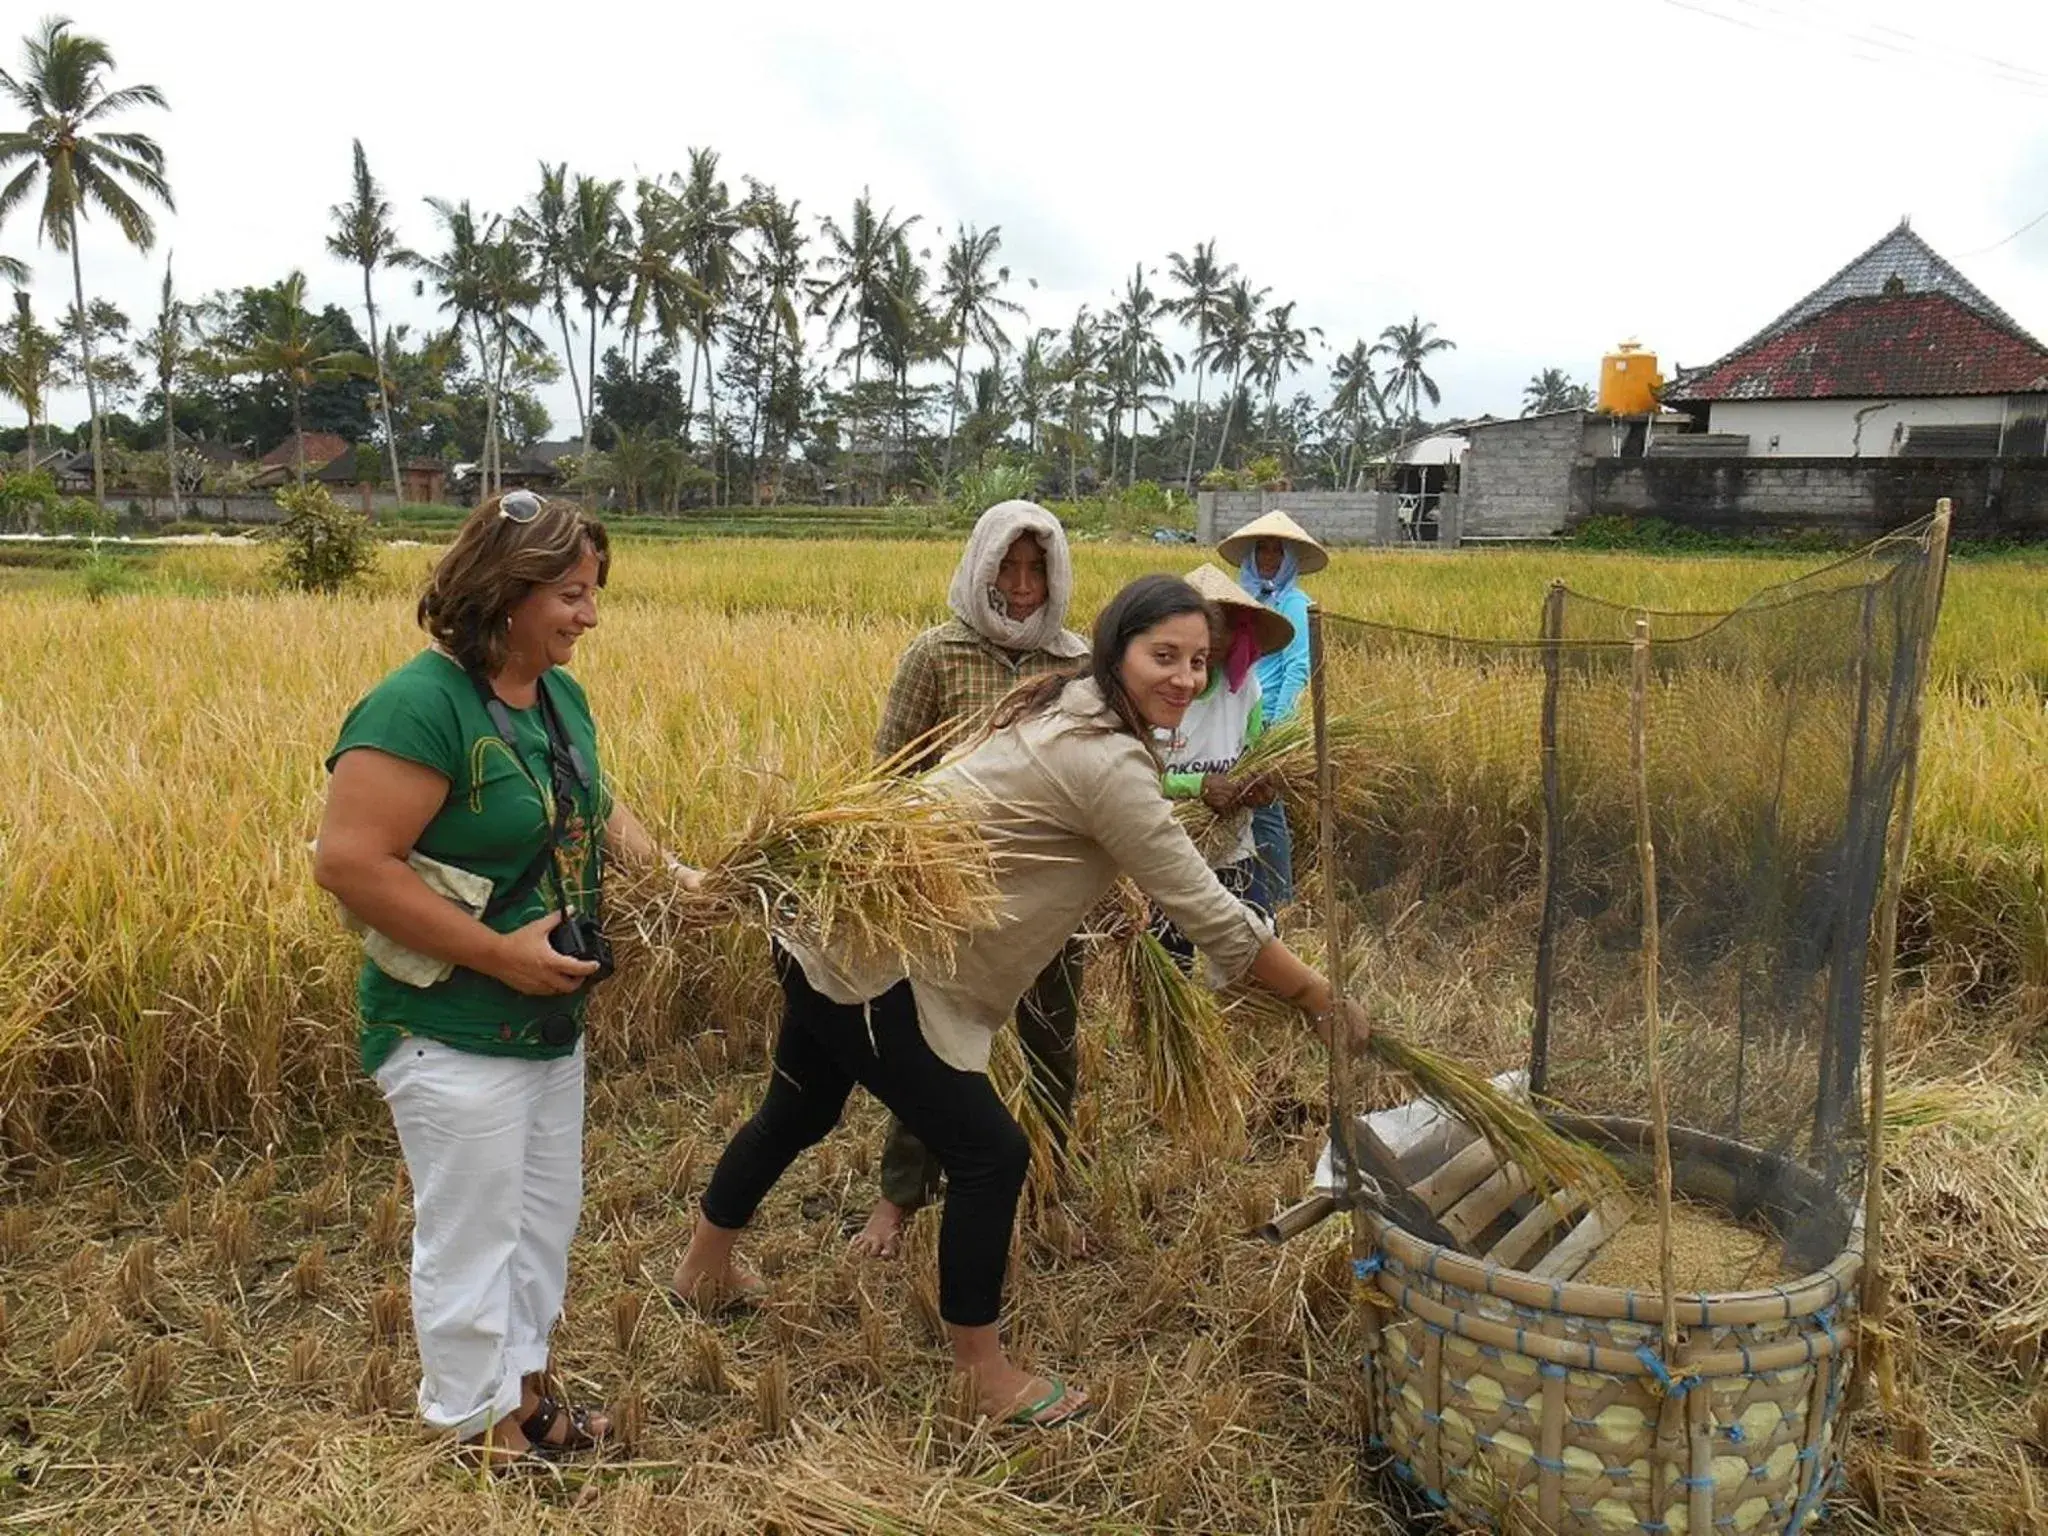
1538,179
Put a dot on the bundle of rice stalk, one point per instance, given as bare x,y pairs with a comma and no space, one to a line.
1511,1124
1190,1069
874,862
1285,755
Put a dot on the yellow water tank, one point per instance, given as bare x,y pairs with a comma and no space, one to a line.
1629,381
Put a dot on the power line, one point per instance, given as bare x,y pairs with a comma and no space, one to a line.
2038,218
1863,40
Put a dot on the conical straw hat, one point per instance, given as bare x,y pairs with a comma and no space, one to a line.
1274,630
1310,555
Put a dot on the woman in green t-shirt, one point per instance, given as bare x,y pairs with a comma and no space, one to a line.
478,757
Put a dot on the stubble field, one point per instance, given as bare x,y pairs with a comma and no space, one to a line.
203,1224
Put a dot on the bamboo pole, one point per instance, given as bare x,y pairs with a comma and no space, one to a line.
1342,1099
1553,836
1872,1301
1298,1218
1653,1020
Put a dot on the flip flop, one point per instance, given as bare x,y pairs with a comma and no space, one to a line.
577,1437
1030,1415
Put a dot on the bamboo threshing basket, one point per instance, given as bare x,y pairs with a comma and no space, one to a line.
1509,1396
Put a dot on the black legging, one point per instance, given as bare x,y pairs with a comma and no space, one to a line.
824,1048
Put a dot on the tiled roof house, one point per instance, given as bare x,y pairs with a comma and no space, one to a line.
1897,353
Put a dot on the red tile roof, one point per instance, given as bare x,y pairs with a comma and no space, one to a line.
1896,344
321,448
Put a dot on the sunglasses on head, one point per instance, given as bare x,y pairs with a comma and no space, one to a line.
520,506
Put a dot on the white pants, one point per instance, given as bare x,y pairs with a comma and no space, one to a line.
494,1146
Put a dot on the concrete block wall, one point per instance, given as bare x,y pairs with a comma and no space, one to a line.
1852,498
1516,477
1334,517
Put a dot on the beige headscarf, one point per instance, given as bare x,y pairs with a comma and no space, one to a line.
976,602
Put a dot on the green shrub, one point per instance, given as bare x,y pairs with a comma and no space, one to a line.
25,501
321,546
103,576
976,490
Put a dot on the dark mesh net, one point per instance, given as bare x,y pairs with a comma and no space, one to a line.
1775,739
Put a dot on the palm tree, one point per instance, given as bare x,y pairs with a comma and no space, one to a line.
1202,281
363,234
710,231
857,258
1554,390
777,268
458,273
1229,347
511,291
417,378
1142,359
64,93
594,264
166,348
1357,396
1079,379
659,287
298,352
973,304
906,331
543,226
1279,347
27,365
485,279
1411,346
1035,386
13,272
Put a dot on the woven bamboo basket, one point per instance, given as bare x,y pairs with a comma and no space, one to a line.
1516,1399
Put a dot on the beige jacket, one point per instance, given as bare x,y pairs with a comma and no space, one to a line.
1066,807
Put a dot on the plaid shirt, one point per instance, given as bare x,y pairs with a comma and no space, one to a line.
952,677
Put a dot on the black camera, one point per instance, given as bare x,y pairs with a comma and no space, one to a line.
579,936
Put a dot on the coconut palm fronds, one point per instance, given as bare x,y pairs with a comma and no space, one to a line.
874,863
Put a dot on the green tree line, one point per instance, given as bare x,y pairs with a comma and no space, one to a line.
721,343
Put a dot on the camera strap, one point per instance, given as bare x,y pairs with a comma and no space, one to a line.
565,765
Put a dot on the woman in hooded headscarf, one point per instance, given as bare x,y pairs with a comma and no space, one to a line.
1270,554
1009,599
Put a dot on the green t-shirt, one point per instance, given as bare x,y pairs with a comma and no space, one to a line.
493,822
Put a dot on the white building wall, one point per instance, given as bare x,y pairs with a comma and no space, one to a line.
1845,429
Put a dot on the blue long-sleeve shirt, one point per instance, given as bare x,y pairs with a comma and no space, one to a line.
1284,674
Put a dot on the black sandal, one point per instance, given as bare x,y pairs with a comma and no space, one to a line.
578,1437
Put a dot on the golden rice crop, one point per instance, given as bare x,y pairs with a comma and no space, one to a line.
170,971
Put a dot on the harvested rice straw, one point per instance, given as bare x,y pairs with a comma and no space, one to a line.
1191,1072
1515,1128
1286,754
873,862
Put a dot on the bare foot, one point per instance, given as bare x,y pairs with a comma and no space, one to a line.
879,1238
1012,1396
501,1446
709,1291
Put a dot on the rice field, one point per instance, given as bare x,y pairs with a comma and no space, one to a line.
203,1222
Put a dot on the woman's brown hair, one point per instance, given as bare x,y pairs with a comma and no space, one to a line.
493,564
1142,604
